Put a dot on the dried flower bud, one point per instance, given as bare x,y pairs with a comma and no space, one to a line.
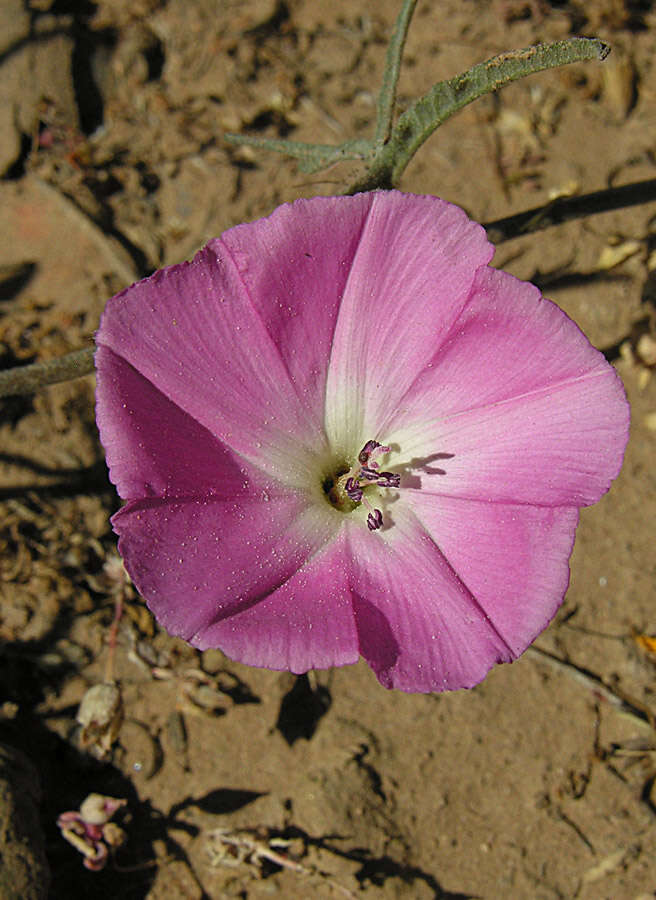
90,831
98,809
101,716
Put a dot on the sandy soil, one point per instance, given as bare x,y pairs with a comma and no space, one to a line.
533,785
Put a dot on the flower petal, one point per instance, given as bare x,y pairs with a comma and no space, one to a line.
223,555
409,281
198,563
305,623
520,405
234,389
152,447
420,627
191,331
295,265
512,558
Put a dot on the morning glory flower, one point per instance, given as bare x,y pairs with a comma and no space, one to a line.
340,433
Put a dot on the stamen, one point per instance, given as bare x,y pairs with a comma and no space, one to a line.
369,474
388,479
353,490
367,450
374,520
368,471
347,488
371,449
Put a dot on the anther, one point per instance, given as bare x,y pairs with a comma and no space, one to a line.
353,490
388,479
368,473
367,450
374,520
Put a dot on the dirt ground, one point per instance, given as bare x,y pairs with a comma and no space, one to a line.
244,783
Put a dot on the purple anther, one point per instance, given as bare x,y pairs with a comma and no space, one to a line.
388,479
353,490
369,474
367,450
374,520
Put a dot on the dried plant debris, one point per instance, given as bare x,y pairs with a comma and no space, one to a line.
90,830
198,691
101,716
262,851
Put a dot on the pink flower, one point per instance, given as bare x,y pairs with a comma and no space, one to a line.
339,432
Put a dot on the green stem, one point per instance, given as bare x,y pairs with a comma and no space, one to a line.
27,379
312,157
448,97
387,95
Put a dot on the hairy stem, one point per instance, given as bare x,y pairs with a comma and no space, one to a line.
387,94
27,379
448,97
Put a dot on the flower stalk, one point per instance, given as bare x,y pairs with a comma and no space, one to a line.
27,379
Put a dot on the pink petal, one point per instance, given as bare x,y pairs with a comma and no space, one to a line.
294,266
420,628
512,558
222,555
305,623
241,337
409,281
528,410
192,331
200,563
152,447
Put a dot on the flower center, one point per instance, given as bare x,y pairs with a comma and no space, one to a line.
346,488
